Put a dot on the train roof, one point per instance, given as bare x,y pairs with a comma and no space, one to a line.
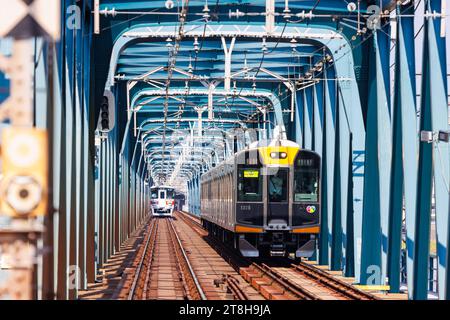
273,143
162,187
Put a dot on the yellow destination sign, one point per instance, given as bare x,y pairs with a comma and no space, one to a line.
251,173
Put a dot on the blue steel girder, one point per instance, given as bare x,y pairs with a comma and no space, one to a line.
361,212
257,6
378,162
328,165
434,160
351,151
202,152
256,56
405,151
274,100
351,147
193,30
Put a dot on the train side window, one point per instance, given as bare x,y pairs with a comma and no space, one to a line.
306,185
249,184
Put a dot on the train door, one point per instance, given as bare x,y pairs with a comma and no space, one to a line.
277,196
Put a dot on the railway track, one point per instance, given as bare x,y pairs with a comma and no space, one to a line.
191,284
234,285
235,288
144,256
273,285
337,287
266,281
293,282
164,270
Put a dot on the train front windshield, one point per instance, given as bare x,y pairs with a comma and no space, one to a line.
278,186
162,194
249,184
169,194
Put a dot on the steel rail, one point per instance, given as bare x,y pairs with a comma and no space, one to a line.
279,279
285,283
187,262
235,288
331,282
317,275
151,235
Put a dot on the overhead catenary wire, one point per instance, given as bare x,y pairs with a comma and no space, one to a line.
260,65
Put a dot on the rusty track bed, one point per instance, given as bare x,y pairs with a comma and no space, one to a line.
272,283
192,286
164,270
274,286
234,285
339,286
138,284
267,281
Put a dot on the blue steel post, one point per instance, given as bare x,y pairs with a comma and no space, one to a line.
89,160
336,226
70,171
436,101
345,191
377,170
194,197
425,175
308,112
318,125
108,197
299,103
78,206
352,144
318,117
191,200
61,288
117,173
197,202
404,163
327,166
58,157
99,213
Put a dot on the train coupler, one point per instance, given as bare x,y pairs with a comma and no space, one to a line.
277,250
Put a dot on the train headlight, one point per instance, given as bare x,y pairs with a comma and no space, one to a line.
23,194
278,155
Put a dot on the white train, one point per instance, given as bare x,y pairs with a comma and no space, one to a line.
162,201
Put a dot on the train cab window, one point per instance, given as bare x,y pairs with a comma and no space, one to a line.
306,185
278,186
249,184
162,194
169,193
306,177
154,194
